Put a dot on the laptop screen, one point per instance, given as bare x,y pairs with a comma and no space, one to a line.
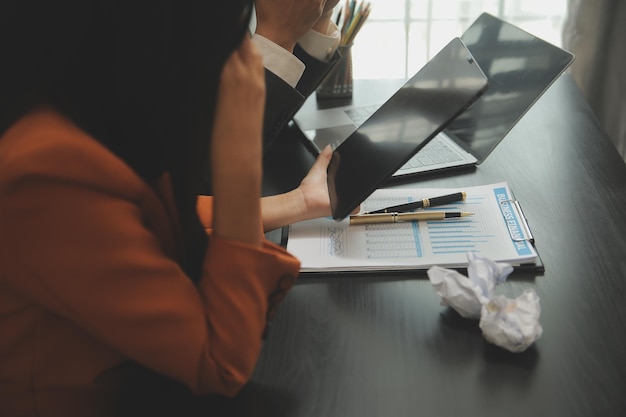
519,67
443,88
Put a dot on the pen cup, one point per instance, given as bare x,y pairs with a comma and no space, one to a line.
338,81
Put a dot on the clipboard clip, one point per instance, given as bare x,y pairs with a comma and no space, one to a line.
520,220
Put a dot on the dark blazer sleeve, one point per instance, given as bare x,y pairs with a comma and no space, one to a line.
282,101
315,71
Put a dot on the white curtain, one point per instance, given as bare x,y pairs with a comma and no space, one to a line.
595,31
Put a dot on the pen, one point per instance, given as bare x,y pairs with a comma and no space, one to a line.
425,202
405,217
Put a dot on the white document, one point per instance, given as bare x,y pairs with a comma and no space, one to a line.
497,230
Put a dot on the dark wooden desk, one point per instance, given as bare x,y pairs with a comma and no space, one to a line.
384,346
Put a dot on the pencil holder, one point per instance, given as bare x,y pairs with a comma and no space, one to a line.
338,81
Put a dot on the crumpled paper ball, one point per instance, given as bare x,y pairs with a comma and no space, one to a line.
512,324
467,296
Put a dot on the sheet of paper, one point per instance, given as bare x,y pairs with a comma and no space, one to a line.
496,231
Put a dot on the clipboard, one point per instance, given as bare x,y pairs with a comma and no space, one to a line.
327,247
526,236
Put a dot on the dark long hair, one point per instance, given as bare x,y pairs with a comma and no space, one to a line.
140,76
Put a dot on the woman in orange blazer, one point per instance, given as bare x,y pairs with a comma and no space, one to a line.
109,260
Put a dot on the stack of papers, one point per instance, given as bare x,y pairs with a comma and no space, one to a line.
497,230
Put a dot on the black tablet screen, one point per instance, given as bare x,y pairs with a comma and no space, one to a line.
425,105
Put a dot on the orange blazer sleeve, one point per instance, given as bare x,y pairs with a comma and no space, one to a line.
88,249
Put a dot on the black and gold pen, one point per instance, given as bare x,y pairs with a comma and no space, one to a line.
425,202
377,218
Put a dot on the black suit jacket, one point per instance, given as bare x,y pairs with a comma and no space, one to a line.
283,101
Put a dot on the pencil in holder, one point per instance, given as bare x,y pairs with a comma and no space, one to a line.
338,81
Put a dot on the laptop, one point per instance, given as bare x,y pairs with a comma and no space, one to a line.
438,93
519,66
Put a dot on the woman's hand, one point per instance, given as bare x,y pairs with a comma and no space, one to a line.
309,201
236,146
314,188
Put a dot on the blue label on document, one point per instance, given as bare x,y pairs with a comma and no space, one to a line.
513,223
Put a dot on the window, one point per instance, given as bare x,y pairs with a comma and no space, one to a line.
401,35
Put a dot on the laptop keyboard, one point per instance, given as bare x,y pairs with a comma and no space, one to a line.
434,152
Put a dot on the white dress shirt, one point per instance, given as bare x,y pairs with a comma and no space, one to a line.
286,65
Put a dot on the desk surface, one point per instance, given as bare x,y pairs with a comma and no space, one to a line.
384,346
